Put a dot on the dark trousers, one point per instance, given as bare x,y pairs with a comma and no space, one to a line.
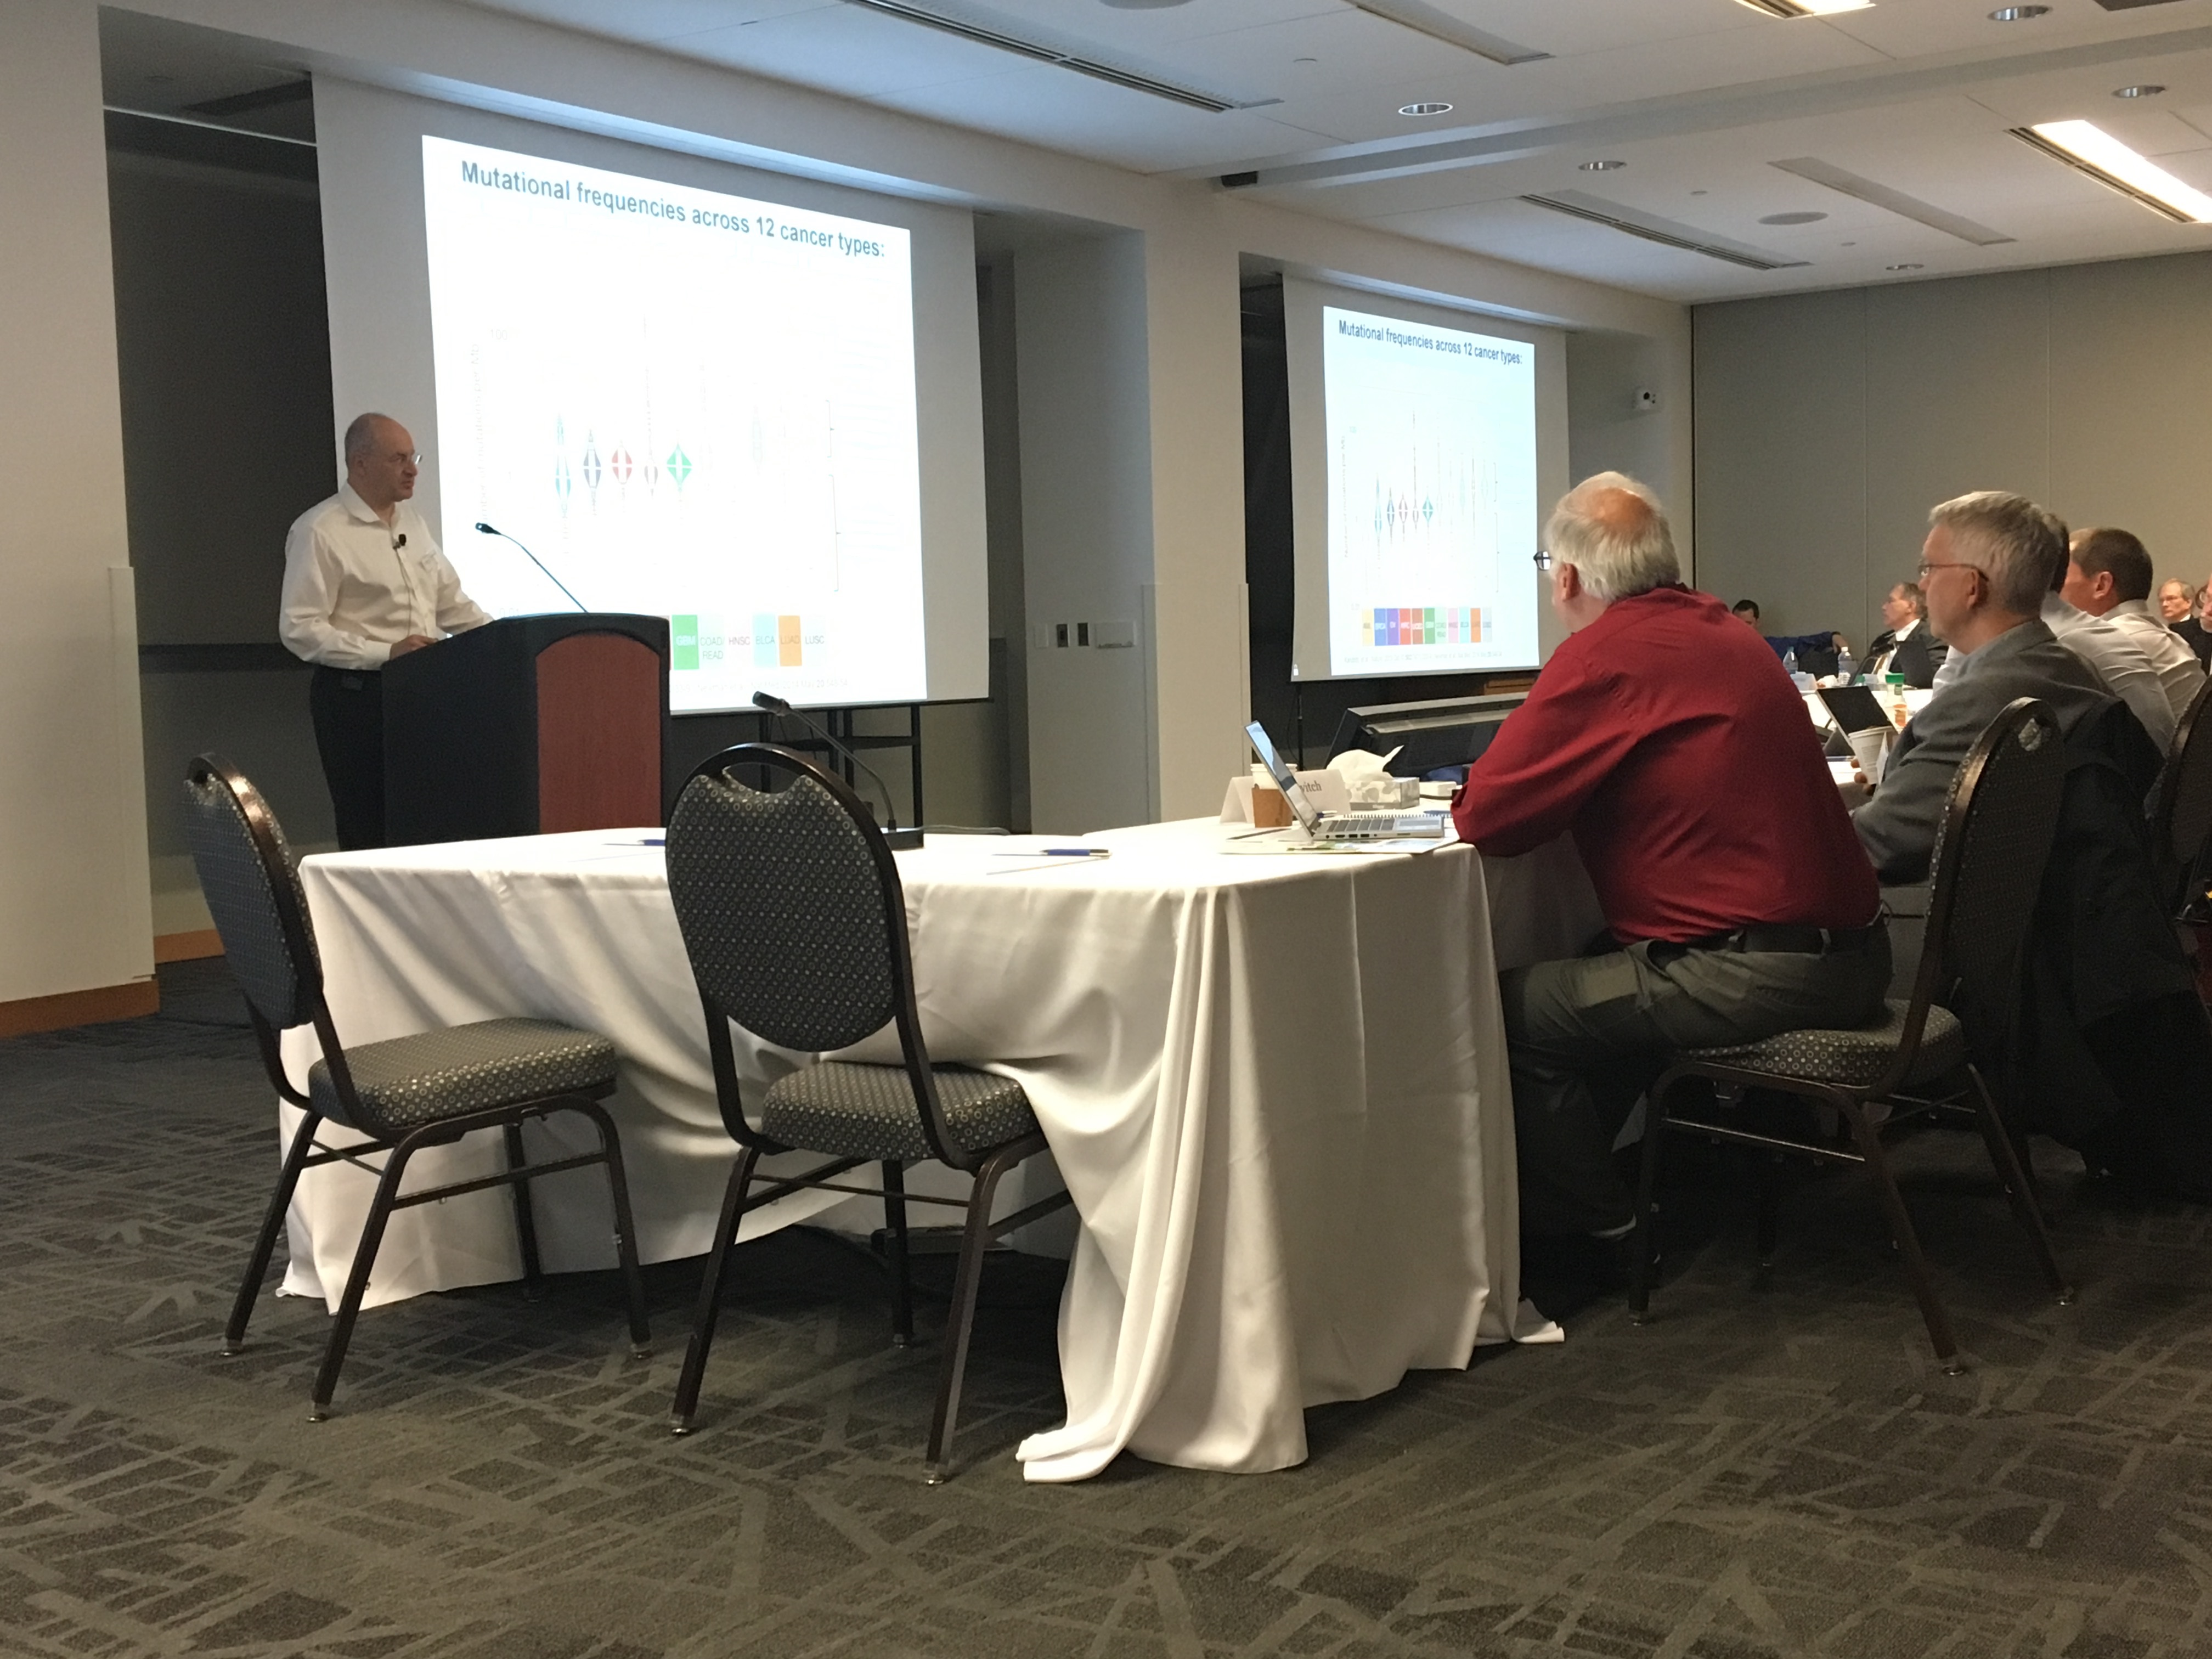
1586,1036
347,708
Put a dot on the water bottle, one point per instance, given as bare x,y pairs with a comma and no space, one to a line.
1847,666
1790,663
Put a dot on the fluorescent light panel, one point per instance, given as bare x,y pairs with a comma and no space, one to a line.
1805,7
2087,148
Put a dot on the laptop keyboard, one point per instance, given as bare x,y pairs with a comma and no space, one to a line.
1382,821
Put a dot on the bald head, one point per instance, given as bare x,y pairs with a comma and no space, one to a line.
1611,529
380,463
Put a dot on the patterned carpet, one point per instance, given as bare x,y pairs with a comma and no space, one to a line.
1761,1471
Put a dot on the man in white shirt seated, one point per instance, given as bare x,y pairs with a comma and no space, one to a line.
1906,647
364,582
2108,574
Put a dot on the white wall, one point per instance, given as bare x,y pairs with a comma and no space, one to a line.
1829,423
74,906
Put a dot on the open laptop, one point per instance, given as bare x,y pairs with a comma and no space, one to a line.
1378,824
1856,709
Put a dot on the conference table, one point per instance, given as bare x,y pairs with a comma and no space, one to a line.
1275,1083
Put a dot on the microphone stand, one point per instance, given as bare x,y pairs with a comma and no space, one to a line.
898,840
487,530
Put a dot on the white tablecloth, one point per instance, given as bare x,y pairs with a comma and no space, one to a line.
1276,1086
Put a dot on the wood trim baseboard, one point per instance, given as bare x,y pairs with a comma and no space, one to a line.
132,1001
186,947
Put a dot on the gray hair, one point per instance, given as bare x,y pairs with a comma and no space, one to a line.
1618,553
361,436
2018,546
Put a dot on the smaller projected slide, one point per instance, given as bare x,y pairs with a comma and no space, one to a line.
688,405
1432,438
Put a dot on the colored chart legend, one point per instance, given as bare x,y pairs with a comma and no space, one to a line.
776,641
1451,624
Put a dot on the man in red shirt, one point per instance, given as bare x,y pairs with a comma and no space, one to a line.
1666,738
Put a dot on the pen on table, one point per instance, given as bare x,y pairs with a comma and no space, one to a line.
1059,853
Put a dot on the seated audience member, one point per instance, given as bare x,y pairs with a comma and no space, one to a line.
2108,575
2119,663
2116,1056
2177,602
1908,646
1826,646
1666,739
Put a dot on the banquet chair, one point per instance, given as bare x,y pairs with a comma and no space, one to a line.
2181,809
1913,1059
401,1095
794,920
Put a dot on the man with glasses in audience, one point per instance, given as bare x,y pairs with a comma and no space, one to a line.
2117,1053
2177,603
1665,737
2108,574
364,582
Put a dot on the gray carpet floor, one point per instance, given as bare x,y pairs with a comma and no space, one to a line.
1763,1470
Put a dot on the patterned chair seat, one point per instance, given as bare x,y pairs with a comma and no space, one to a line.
869,1111
1854,1058
414,1080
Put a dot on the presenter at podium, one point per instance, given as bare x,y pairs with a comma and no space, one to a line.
365,581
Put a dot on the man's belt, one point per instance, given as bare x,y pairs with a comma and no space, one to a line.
1791,937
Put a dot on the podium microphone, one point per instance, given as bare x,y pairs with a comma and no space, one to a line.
487,530
898,839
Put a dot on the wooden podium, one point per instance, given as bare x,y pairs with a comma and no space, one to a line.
527,726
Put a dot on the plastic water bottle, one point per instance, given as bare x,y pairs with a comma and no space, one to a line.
1848,667
1790,663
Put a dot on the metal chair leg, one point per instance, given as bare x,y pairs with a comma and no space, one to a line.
960,1319
710,1294
1643,1249
364,1258
641,1333
1902,1234
265,1244
526,1224
1769,1212
2012,1173
894,1249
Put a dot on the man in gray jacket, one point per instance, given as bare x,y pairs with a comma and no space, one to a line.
2116,1059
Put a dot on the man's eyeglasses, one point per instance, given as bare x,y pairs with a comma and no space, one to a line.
1921,573
1544,558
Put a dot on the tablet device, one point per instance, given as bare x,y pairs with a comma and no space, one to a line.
1856,709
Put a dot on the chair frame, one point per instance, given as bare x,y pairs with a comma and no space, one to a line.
989,1166
397,1143
2181,809
1965,1086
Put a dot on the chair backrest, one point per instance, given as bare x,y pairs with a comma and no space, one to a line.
791,909
1990,848
252,889
2181,808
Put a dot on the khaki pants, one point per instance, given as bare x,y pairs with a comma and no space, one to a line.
1586,1036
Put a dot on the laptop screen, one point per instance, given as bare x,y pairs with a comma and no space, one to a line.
1285,779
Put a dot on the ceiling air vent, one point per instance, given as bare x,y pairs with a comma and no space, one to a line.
1575,204
973,26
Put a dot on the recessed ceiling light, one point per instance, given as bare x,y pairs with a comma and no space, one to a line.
1793,218
1905,267
1805,7
2138,91
2018,13
1425,109
2088,148
1603,167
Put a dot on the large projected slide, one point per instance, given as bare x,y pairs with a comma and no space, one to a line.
684,404
1432,497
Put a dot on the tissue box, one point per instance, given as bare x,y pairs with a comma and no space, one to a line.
1384,790
1326,790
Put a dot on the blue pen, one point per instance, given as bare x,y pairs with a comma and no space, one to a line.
1059,853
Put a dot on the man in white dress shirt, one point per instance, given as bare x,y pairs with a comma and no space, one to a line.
364,582
2108,574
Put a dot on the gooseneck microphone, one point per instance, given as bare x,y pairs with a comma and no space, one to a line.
898,839
487,529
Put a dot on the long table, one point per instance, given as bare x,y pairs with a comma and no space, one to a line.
1276,1085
